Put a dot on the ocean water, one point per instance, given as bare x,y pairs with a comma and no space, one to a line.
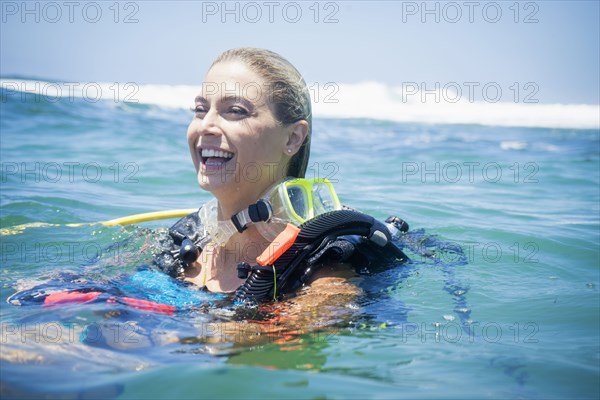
507,308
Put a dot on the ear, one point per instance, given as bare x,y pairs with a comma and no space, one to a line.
296,134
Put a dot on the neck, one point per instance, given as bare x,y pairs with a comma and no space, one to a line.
236,198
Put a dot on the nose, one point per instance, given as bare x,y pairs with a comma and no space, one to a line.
210,123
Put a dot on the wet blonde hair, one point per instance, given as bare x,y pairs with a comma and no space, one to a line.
287,93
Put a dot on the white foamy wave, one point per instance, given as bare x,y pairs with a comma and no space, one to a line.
171,96
374,100
513,145
362,100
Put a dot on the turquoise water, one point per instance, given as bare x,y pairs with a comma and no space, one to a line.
518,319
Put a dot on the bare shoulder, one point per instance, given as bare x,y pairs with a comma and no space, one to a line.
330,298
334,279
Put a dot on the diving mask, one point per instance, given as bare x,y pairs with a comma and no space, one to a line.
292,201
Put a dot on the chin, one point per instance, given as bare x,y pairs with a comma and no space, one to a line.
214,182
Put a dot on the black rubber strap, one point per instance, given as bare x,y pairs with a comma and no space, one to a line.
240,228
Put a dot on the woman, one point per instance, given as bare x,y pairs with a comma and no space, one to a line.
250,131
251,128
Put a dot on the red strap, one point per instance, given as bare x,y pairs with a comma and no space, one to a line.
148,305
79,297
70,298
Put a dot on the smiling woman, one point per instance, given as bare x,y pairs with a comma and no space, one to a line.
250,141
247,121
238,127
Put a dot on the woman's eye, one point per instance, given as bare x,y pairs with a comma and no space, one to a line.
238,110
198,110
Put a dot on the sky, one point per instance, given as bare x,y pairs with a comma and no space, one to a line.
545,49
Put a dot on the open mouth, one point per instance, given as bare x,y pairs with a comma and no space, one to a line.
215,158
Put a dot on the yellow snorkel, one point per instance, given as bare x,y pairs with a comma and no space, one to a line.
128,220
150,216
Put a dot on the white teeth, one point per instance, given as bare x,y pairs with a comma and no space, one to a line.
216,153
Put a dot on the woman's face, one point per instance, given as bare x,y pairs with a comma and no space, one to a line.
234,139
